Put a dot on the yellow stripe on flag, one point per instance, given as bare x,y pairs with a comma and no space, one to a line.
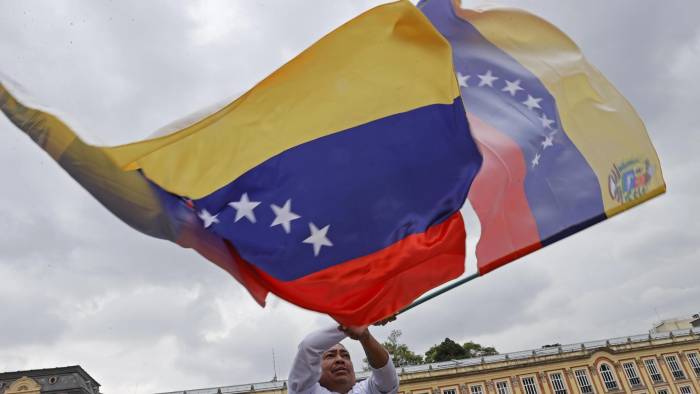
386,61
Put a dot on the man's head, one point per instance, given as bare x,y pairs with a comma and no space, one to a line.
337,372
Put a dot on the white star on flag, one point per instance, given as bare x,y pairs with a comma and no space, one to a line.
244,208
546,122
532,102
207,218
536,160
284,215
462,79
512,87
548,141
318,238
487,79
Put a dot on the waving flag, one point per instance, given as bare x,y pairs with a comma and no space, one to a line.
335,183
562,148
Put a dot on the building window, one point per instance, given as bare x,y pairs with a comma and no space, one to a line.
449,391
632,375
685,390
476,389
583,382
694,363
502,387
662,391
653,370
530,385
608,377
557,383
676,370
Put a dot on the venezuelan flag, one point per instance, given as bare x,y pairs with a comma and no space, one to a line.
335,183
562,148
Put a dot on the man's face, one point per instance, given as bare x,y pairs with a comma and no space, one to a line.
337,373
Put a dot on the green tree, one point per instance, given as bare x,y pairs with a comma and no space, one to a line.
400,353
451,350
445,351
551,345
476,350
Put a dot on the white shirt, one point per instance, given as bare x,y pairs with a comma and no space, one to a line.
306,369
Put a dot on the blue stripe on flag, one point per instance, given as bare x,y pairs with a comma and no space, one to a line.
373,184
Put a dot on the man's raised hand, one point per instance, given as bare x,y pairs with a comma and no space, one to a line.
357,333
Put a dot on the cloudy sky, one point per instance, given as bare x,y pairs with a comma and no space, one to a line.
77,286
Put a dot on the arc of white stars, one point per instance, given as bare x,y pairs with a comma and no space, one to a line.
318,238
512,87
284,216
207,218
536,160
244,208
532,102
487,79
546,122
462,80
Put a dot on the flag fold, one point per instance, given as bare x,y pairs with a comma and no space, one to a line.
562,148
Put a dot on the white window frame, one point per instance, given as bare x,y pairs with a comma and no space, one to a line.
449,390
694,362
479,387
506,387
632,373
678,373
559,381
610,384
685,389
662,391
531,386
651,363
583,375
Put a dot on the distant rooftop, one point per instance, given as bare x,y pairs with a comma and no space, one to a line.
677,323
11,375
521,355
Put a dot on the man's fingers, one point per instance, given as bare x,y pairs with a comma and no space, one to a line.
354,332
385,321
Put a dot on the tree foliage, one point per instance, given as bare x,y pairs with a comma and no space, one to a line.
476,350
551,345
451,350
447,350
400,353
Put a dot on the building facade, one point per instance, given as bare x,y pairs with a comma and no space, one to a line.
657,363
64,380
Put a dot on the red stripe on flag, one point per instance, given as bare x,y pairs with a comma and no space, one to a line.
508,228
373,287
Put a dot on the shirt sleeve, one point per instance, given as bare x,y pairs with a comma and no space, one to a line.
306,368
383,380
